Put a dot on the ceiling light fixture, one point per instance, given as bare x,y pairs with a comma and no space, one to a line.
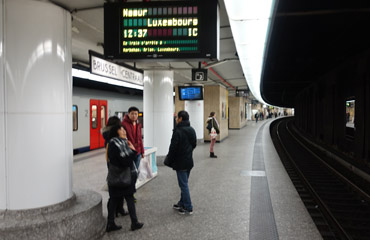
250,21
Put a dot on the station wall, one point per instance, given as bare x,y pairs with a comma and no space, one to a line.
321,109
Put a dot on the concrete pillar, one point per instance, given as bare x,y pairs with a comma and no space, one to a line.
236,113
216,100
249,111
35,105
196,113
158,110
2,115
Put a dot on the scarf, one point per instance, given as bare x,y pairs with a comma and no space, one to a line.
122,146
218,126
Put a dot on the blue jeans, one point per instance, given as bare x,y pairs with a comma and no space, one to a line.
137,161
182,178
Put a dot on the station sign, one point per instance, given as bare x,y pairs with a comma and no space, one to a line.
105,68
162,30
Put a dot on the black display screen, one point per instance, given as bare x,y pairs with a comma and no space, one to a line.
161,30
191,93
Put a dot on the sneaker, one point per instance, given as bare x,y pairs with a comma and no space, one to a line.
176,207
183,211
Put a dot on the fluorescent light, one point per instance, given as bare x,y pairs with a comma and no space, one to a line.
248,9
97,78
250,21
249,31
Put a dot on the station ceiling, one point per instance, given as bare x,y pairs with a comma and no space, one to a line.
88,34
309,38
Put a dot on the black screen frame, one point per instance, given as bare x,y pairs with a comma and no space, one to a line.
188,87
208,32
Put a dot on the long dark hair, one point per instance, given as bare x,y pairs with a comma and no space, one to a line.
113,132
212,114
114,120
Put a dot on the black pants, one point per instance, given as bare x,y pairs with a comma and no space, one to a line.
121,201
120,205
113,203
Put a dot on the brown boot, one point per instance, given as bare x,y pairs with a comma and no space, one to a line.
212,155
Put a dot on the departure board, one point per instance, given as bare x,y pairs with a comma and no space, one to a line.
161,30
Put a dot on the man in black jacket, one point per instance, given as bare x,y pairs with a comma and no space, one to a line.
180,158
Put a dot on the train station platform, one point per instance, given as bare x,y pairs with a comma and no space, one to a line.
245,193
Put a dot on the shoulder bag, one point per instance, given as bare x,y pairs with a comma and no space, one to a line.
118,177
213,131
167,162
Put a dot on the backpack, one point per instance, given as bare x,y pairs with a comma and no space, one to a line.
209,126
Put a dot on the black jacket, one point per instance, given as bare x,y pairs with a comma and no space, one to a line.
212,123
183,142
121,157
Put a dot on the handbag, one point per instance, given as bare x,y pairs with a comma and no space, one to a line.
213,132
209,125
167,161
119,177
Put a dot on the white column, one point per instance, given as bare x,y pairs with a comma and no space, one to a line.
249,111
35,105
196,114
158,110
2,115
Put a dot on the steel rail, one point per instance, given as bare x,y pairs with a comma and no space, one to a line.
343,178
324,208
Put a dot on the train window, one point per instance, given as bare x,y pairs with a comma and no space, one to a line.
102,116
120,115
94,120
75,117
141,119
350,113
350,117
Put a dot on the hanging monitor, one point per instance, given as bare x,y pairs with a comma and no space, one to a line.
190,93
174,30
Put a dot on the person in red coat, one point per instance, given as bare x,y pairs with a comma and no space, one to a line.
133,128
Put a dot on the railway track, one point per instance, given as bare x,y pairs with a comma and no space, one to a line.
339,208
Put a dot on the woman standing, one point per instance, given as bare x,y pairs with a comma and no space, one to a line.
212,123
113,121
121,153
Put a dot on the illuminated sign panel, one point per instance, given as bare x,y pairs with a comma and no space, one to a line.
161,30
124,73
190,93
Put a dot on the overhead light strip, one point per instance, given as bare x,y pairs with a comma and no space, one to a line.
250,21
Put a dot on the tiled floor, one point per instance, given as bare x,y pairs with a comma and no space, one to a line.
220,192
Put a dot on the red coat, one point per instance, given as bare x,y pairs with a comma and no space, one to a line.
138,141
